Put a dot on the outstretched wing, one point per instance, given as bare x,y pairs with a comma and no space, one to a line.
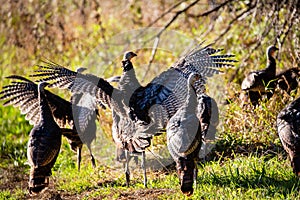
84,114
64,78
205,61
23,93
167,91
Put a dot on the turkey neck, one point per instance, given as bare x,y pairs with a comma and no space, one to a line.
129,78
191,99
271,64
44,107
127,65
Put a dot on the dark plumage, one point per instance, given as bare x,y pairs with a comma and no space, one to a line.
208,114
23,93
184,137
155,103
43,145
128,84
84,124
288,127
256,82
288,80
150,107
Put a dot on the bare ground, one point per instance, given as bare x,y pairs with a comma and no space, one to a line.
16,179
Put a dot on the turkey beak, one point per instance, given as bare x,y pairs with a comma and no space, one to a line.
80,69
133,55
129,56
273,52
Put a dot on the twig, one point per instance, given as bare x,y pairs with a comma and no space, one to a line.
157,36
232,21
157,158
290,25
166,12
210,11
172,20
263,35
154,50
176,15
159,18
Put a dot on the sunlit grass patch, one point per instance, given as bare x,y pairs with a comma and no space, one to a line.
248,177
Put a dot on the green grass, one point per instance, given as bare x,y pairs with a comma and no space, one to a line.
248,161
242,166
254,176
237,178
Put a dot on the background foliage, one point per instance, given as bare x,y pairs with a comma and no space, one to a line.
248,160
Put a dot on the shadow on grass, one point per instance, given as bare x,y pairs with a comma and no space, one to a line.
229,148
272,185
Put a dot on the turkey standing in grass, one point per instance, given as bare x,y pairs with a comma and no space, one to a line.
24,94
129,83
151,106
256,82
184,137
43,145
288,127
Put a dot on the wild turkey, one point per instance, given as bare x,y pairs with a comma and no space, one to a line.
288,127
256,82
23,93
150,107
184,137
288,80
128,82
43,145
208,114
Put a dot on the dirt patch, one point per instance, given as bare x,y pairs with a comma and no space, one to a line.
13,178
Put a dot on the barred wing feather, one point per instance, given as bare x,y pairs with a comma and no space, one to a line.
23,93
167,89
64,78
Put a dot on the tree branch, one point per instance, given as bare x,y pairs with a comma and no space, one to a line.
166,12
234,20
210,11
176,15
154,50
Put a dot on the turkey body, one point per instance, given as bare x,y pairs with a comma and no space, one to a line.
208,114
150,107
256,82
184,138
122,124
83,129
288,80
23,93
288,127
43,146
128,83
